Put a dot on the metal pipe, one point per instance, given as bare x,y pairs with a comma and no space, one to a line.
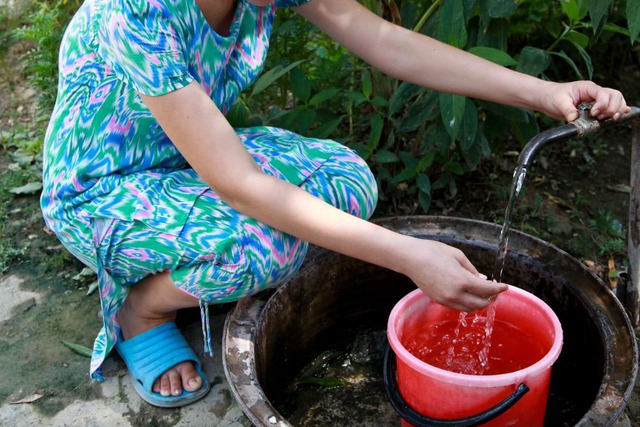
584,125
632,297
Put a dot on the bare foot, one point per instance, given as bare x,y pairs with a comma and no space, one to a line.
139,315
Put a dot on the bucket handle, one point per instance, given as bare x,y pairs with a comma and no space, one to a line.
419,420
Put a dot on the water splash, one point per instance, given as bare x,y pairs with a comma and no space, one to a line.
519,175
481,364
483,355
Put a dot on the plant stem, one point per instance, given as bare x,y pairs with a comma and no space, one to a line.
559,39
427,15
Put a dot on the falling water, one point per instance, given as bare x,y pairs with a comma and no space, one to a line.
519,174
457,354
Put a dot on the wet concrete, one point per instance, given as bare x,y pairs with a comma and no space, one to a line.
43,382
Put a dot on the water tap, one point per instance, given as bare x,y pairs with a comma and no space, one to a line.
585,123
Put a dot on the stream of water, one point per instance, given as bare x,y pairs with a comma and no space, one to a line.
482,338
519,175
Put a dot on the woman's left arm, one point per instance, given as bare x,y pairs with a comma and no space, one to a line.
413,57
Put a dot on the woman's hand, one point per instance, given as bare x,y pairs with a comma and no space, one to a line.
560,100
446,275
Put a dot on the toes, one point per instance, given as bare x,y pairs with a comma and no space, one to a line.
191,379
175,385
168,384
157,386
183,375
165,384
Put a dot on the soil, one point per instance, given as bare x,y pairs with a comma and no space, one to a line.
569,186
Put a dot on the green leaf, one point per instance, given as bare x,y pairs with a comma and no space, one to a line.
506,112
379,102
324,95
367,85
451,24
29,188
425,108
454,166
562,54
424,183
453,187
571,9
473,155
408,159
498,8
426,161
77,348
524,131
327,128
268,78
452,111
402,95
442,139
362,150
494,55
424,199
238,115
578,38
469,125
404,175
484,143
377,124
633,19
300,85
305,119
469,7
442,181
385,156
598,10
356,97
587,60
533,61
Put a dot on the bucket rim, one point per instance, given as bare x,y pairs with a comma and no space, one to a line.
484,381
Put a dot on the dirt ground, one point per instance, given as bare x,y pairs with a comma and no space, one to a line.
49,294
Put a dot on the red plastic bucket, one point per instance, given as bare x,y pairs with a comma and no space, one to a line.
425,395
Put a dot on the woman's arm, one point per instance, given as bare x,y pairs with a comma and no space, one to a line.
208,142
413,57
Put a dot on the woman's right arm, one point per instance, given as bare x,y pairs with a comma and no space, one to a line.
210,145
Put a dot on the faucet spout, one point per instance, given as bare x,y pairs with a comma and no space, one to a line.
543,139
584,125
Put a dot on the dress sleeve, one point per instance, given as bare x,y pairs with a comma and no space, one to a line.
291,3
143,47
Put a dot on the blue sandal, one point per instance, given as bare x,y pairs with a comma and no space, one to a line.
152,353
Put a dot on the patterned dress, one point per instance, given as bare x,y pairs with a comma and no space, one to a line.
121,197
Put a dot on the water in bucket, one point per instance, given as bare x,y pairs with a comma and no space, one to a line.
447,345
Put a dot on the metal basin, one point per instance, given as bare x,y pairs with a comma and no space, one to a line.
270,337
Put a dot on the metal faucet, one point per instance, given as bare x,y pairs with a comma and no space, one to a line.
584,125
629,294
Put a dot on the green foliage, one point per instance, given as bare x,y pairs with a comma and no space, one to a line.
416,140
8,23
419,141
608,233
44,31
